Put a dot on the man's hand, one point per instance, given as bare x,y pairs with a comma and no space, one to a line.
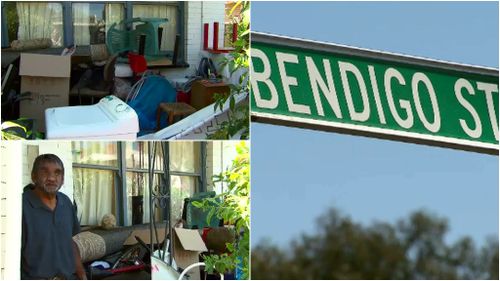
80,271
80,274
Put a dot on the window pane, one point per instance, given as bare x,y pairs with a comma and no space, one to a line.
182,187
169,12
137,155
138,198
27,21
97,153
92,20
93,194
185,156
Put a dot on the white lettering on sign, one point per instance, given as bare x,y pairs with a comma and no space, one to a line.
264,77
290,81
488,91
405,123
376,93
477,131
322,87
365,113
328,91
416,79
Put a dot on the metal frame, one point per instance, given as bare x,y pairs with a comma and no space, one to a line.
360,130
203,164
121,193
5,33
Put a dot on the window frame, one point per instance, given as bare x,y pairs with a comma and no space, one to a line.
120,175
5,35
68,30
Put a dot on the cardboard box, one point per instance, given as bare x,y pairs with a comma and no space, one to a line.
202,93
144,235
187,247
47,78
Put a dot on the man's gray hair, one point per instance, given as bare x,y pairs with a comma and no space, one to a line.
46,158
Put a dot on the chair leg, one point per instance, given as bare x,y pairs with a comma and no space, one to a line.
170,118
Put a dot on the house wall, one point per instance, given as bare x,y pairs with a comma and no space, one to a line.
60,148
220,155
16,162
10,206
196,14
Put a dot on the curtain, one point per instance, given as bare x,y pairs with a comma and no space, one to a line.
81,23
181,187
137,190
184,156
94,189
40,20
88,24
94,194
138,182
161,11
114,14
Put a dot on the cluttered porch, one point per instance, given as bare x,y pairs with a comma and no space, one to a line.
137,77
156,217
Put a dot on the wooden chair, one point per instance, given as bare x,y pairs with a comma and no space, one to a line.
176,109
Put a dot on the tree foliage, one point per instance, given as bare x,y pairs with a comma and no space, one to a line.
413,248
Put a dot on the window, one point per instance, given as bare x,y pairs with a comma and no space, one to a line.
29,20
86,23
184,177
169,11
94,194
95,167
91,21
99,190
137,162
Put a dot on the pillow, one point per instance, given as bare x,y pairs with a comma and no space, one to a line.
20,45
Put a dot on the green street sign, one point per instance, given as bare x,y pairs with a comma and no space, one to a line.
336,88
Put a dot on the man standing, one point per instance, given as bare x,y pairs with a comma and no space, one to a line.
49,224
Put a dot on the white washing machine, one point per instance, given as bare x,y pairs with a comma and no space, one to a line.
109,119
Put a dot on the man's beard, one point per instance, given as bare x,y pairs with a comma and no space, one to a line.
50,189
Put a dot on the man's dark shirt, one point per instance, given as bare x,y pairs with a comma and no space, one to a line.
47,245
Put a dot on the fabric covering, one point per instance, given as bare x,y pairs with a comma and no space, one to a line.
90,245
96,244
155,90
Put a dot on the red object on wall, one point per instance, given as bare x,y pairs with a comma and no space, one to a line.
205,36
235,32
215,42
216,36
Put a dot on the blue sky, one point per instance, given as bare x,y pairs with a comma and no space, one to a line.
298,174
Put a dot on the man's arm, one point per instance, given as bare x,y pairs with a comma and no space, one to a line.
80,271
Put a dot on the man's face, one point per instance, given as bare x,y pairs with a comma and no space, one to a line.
49,177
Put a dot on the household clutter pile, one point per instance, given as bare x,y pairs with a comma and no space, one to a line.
115,95
107,250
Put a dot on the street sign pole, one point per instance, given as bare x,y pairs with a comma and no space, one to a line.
329,87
